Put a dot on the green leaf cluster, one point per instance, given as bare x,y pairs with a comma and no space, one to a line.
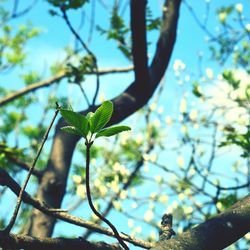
92,123
12,44
229,77
68,4
241,140
118,32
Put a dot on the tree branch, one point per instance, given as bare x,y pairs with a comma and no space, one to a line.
14,241
6,180
25,166
139,42
53,183
216,233
54,79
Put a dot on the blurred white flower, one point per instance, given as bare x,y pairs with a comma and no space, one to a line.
146,167
102,97
248,27
163,198
131,223
93,161
153,106
168,120
139,139
184,129
180,161
103,191
160,109
77,179
222,17
117,205
134,205
188,210
158,178
178,65
239,7
187,78
152,235
181,196
153,157
209,73
80,191
148,216
124,137
97,183
138,229
157,123
183,106
114,186
123,194
247,236
196,126
193,114
133,191
152,195
146,157
219,205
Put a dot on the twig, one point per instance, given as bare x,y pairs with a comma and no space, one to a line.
65,17
19,200
88,146
25,166
56,78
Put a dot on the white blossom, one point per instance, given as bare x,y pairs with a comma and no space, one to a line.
168,120
148,216
77,179
183,106
193,114
239,7
209,73
248,27
180,161
222,17
131,223
178,65
80,191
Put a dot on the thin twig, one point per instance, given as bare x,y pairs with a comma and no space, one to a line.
57,78
65,17
19,200
88,146
25,166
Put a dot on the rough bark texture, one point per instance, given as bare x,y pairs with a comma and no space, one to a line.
216,233
13,241
53,182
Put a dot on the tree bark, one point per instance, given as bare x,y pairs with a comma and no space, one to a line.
216,233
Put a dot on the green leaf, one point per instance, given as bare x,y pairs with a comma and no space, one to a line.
77,120
101,117
112,131
71,130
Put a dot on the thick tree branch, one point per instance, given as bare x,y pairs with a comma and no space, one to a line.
54,79
139,42
53,183
13,241
6,180
216,233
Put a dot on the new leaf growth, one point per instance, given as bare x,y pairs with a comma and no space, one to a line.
93,123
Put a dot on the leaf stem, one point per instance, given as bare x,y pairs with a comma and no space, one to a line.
118,237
